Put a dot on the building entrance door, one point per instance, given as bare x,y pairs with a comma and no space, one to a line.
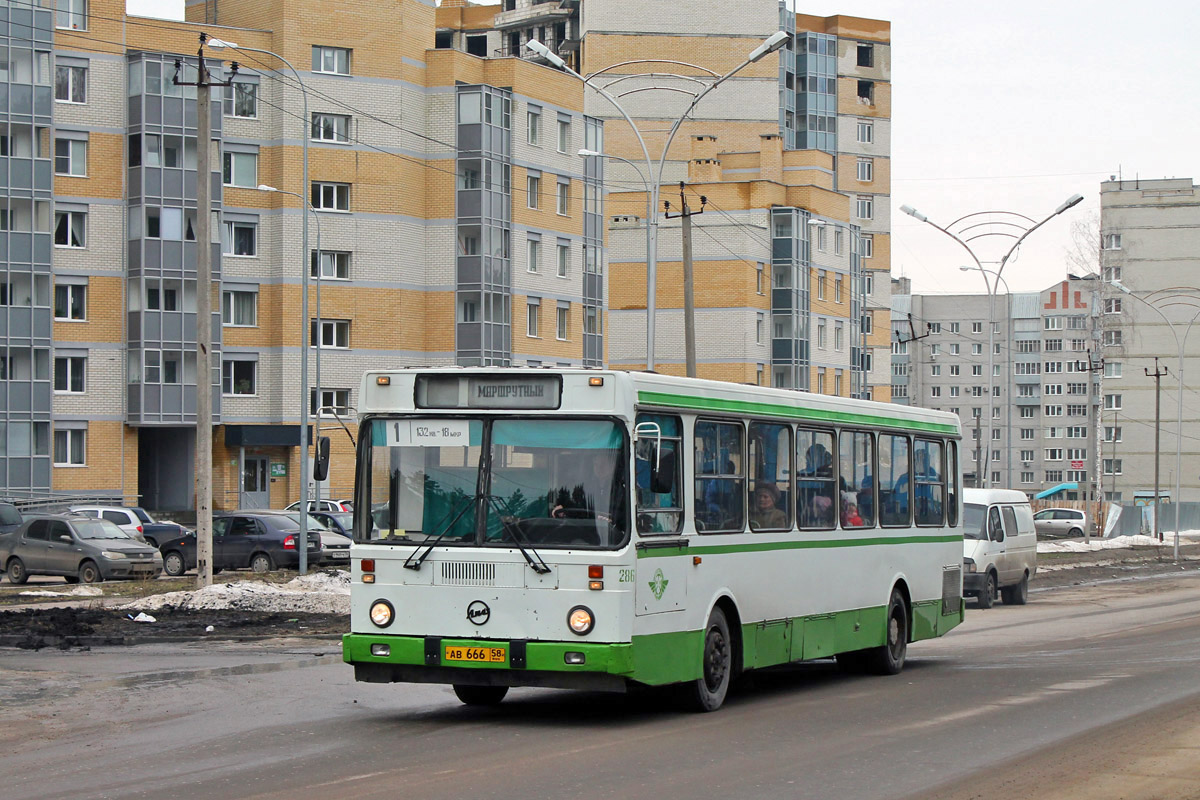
256,482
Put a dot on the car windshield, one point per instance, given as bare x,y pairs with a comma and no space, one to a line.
141,514
98,529
973,517
343,519
538,482
291,522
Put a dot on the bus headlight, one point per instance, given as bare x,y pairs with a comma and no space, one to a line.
968,565
382,613
580,620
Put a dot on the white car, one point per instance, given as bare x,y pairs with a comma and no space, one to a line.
322,505
130,520
1060,522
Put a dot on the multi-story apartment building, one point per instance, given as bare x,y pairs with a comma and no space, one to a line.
1044,386
451,222
1150,245
792,154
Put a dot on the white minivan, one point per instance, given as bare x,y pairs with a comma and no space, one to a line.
999,545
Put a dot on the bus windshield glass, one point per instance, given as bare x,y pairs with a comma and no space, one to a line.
539,483
973,517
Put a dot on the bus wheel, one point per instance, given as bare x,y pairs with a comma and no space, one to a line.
480,695
888,658
707,692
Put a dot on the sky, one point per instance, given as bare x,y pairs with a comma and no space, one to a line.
1015,107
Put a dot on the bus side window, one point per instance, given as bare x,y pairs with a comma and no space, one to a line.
952,483
857,467
770,476
895,480
930,481
720,476
816,480
658,479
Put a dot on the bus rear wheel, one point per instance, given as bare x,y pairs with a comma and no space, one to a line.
888,658
707,693
480,695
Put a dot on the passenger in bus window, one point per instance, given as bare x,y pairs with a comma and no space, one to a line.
766,512
850,516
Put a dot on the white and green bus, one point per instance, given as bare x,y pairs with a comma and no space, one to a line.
597,529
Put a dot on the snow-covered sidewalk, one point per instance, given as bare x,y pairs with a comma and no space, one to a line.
325,592
1115,543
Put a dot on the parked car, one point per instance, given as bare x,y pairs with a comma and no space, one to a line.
1060,522
999,546
337,521
79,548
257,540
322,505
134,521
10,518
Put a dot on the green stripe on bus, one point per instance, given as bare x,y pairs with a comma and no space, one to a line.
794,412
764,547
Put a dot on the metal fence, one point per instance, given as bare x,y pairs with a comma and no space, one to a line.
1135,519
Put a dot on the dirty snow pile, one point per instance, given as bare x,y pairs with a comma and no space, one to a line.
78,591
1116,543
325,592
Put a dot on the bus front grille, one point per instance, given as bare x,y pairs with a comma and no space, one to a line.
479,573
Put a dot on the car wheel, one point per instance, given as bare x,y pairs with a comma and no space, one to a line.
1016,595
987,595
173,564
89,572
260,563
16,570
150,540
1075,532
480,695
707,693
888,658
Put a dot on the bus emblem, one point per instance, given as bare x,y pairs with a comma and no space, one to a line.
659,584
478,612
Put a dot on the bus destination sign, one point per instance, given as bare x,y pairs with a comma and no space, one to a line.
489,392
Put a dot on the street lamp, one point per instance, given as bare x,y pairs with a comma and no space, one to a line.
1180,343
770,45
303,544
991,288
1026,226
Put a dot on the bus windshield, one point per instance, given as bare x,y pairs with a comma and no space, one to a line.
973,517
536,482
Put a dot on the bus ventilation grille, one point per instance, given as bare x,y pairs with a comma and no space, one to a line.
951,590
479,573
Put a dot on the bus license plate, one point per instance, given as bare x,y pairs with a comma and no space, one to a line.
487,655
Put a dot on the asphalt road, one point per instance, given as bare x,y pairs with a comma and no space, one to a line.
1088,690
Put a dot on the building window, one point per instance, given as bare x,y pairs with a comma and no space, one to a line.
1112,402
1110,274
70,302
1112,369
866,169
533,189
564,135
70,84
837,288
69,374
866,92
866,54
866,249
331,196
759,325
1112,241
1112,339
564,259
562,323
239,309
70,157
332,60
864,206
333,401
531,317
239,239
332,265
238,377
70,229
1112,433
866,131
535,255
821,338
72,14
533,127
564,198
242,100
70,448
591,319
838,336
331,128
1112,466
241,169
333,333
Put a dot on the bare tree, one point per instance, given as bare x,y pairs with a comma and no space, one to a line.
1083,253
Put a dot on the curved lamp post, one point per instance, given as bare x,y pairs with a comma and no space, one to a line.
1027,226
654,175
1180,343
991,289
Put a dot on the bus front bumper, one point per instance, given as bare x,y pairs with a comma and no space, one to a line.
421,659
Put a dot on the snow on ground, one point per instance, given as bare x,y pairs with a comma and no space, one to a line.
325,592
78,591
1115,543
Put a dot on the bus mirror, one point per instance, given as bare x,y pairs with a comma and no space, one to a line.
662,473
321,462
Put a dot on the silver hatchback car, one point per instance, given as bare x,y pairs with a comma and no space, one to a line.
1057,522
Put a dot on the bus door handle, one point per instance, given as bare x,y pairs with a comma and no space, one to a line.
661,544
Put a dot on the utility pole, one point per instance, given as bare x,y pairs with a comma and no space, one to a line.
1157,375
204,382
1094,366
689,301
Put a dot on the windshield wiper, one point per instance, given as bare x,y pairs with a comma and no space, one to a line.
513,528
409,563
